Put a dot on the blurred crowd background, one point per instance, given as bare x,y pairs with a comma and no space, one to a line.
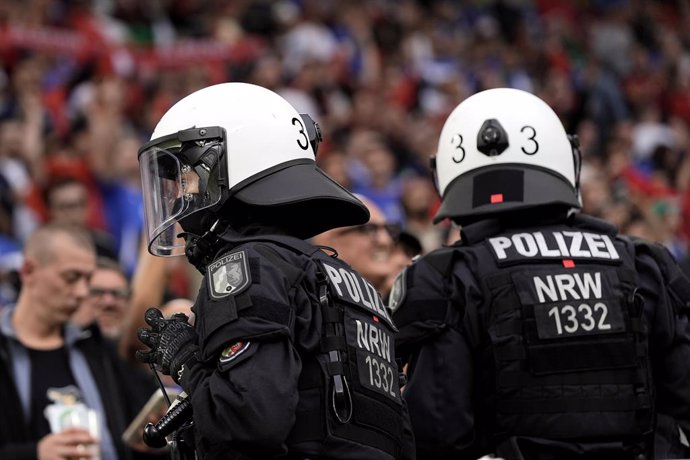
83,83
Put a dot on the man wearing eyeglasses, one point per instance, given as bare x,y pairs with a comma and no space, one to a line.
107,300
367,247
46,360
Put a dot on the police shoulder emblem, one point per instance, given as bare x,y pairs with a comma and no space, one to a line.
232,352
398,291
228,275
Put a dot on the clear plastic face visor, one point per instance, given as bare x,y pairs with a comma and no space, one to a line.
182,174
164,184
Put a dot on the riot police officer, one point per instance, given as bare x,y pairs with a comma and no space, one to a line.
291,354
542,333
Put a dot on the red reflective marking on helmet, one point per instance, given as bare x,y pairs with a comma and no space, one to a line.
376,318
568,263
497,198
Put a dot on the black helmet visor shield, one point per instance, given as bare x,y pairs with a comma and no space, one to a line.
172,191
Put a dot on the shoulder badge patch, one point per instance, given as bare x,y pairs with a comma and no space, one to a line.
228,275
233,351
398,291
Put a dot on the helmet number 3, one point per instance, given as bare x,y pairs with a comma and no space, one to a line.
534,145
456,141
303,144
531,148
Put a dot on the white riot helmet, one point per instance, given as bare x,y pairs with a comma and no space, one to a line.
504,150
239,141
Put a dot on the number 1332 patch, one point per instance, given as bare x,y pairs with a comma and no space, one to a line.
577,319
572,304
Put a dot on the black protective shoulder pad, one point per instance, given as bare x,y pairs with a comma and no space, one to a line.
677,282
294,274
416,317
478,231
442,259
580,220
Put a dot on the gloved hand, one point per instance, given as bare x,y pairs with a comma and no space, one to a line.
171,342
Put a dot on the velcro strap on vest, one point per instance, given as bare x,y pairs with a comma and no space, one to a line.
333,315
243,301
507,328
333,343
510,353
373,424
370,419
335,368
552,406
268,310
545,359
617,377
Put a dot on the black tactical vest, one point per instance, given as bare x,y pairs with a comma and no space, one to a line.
564,353
349,392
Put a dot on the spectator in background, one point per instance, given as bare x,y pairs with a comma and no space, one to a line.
107,301
419,199
178,305
367,247
16,170
119,185
406,248
66,199
335,164
10,247
374,173
111,154
41,350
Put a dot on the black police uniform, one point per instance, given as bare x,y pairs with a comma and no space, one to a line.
296,358
554,341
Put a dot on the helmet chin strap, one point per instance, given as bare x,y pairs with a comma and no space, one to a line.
200,250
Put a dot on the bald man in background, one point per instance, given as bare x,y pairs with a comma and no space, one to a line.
44,355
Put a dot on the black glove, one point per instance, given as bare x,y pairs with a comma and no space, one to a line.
171,342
